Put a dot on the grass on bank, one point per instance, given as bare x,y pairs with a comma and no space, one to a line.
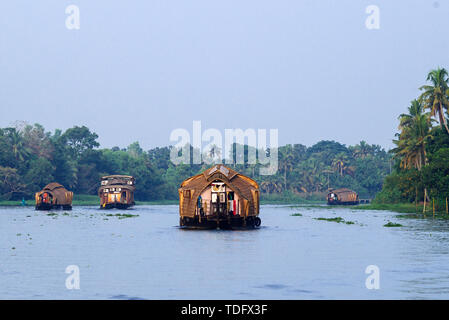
8,203
93,200
85,200
395,207
408,210
292,198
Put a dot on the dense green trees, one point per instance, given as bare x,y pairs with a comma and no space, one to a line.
326,164
422,149
30,158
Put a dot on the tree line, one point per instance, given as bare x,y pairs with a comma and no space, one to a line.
31,157
421,153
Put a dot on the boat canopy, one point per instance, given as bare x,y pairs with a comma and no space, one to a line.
245,187
60,195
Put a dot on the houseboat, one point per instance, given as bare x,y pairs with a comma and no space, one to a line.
117,191
342,196
54,196
219,197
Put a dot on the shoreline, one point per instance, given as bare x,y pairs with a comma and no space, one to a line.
401,207
30,203
409,209
93,200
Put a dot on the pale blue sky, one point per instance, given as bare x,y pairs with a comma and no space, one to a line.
309,68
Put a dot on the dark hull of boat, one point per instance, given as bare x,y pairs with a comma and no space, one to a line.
226,223
342,203
117,205
47,207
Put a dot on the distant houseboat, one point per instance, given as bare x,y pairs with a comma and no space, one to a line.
54,196
116,191
219,198
343,197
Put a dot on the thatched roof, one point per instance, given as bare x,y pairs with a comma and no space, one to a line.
345,194
52,186
244,186
60,194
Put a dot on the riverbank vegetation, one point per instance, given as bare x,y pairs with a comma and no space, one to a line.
31,157
421,170
412,175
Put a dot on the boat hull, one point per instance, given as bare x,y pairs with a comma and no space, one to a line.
48,206
117,205
343,203
214,222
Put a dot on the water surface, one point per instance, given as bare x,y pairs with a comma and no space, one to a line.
289,257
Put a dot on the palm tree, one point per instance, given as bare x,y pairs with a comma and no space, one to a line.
415,132
311,175
341,164
287,161
271,184
18,148
406,119
362,150
435,96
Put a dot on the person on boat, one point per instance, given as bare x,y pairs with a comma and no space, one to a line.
200,205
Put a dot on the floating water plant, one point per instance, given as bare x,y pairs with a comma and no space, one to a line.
336,219
122,215
391,224
296,215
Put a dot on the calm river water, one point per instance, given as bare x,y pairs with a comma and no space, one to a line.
289,257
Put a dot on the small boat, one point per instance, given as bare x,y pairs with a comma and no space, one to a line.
54,196
219,198
117,191
342,196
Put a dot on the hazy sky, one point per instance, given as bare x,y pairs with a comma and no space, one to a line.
136,70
